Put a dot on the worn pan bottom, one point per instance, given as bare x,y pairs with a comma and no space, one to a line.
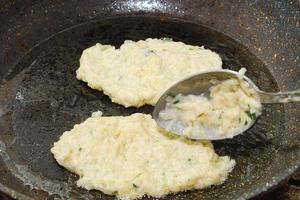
43,99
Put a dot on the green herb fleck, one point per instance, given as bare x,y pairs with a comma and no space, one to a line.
134,185
221,114
148,52
251,115
115,192
191,48
79,149
176,101
172,95
167,39
240,120
189,159
246,122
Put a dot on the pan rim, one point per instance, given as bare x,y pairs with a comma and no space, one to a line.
283,175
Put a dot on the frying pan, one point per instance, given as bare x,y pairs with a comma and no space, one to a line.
40,98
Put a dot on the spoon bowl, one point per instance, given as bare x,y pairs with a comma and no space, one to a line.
199,84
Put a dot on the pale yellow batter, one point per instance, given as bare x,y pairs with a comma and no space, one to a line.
139,72
130,157
231,107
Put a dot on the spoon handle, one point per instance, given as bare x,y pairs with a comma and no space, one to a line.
280,97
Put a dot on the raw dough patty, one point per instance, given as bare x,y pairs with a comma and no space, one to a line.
231,107
130,157
139,72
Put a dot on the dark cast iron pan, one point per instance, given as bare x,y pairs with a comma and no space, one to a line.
40,98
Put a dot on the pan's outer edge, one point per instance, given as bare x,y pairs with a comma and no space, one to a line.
282,177
270,60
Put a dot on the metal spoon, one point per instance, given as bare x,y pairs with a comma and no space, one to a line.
200,84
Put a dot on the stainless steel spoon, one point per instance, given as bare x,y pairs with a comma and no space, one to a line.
200,84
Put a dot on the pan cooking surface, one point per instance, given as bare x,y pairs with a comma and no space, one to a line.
41,98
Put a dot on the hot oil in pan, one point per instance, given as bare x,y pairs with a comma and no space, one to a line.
41,98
